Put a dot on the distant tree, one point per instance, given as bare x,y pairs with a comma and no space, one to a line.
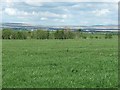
80,30
48,34
69,35
6,33
14,35
29,34
40,34
59,34
51,35
34,35
19,35
79,33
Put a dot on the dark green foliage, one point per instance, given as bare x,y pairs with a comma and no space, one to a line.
33,36
14,35
79,30
96,37
84,37
10,34
108,36
69,35
6,33
19,35
59,34
48,34
91,37
40,34
30,34
51,35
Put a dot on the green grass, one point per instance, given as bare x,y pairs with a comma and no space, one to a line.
84,63
0,64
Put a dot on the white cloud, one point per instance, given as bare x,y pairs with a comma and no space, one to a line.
59,20
101,12
9,3
16,12
33,3
53,15
44,15
10,11
43,18
64,16
34,13
48,14
77,6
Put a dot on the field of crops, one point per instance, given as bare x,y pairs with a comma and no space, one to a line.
89,63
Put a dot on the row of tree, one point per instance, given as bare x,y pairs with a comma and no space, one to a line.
42,34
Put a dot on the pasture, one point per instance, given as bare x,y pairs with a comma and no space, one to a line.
76,63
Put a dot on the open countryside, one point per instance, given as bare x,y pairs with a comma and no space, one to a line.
59,44
89,61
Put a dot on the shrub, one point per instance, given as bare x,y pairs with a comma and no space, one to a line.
108,36
84,37
96,37
91,37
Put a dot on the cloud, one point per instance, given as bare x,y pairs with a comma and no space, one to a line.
63,13
10,11
43,14
64,16
16,12
33,3
59,20
53,15
43,18
77,6
101,12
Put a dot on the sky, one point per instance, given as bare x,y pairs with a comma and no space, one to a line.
51,12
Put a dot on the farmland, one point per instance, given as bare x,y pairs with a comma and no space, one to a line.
53,63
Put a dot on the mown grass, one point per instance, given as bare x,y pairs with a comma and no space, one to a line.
82,63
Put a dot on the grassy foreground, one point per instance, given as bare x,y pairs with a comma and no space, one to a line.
89,63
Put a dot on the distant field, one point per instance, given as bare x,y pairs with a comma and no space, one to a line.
89,63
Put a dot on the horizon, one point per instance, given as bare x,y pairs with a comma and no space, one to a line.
57,25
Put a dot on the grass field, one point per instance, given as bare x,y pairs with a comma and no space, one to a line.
89,63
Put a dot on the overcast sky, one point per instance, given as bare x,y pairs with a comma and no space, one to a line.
60,13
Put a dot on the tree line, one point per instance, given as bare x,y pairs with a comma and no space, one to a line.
42,34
